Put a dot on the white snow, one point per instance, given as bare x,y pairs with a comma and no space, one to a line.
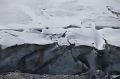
79,36
31,15
56,13
112,36
10,38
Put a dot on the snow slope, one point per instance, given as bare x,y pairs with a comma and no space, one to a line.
55,13
33,15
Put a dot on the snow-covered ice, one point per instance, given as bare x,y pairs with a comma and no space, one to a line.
31,15
55,13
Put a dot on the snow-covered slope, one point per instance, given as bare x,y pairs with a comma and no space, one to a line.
56,13
22,20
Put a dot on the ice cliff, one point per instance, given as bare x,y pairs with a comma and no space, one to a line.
60,37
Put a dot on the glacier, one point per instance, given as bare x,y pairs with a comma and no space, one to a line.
60,37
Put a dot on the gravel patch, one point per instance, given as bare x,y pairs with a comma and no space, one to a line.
17,75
